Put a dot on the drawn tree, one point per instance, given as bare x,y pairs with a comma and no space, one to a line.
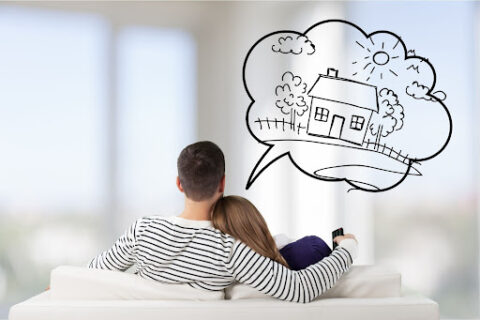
290,96
389,117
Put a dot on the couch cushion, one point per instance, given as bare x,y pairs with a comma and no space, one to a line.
79,283
365,281
409,307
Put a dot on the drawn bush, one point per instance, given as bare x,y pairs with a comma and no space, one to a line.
291,96
389,117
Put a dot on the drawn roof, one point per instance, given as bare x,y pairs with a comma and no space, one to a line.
346,91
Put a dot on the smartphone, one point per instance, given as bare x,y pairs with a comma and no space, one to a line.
335,233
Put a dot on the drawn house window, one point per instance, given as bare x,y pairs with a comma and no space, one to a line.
321,114
357,122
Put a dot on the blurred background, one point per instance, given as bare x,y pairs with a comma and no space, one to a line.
98,99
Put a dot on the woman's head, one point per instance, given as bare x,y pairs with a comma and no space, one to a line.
239,218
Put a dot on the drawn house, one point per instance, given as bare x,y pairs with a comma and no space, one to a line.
341,108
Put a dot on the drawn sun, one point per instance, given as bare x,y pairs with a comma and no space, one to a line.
379,59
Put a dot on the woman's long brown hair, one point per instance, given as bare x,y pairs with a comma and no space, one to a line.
239,218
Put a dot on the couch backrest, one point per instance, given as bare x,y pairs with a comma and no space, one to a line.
79,283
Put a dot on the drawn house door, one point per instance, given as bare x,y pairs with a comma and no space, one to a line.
336,127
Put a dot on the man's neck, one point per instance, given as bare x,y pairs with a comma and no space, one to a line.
197,210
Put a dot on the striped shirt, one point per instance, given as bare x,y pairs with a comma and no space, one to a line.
177,250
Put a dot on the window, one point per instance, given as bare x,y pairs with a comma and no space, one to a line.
321,114
52,142
357,123
54,131
88,89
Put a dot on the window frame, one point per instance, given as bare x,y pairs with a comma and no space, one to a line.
357,122
321,114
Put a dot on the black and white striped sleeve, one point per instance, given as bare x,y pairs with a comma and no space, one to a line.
120,256
274,279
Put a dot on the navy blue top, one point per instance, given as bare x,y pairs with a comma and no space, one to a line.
305,251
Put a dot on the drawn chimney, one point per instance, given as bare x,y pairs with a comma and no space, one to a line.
332,72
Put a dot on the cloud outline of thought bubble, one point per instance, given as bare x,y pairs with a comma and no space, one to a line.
254,174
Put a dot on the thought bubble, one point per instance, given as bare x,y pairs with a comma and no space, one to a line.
344,105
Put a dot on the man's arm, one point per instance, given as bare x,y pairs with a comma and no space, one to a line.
120,256
274,279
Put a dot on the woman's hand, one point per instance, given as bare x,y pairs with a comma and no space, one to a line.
338,239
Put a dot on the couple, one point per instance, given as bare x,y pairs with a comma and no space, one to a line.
218,240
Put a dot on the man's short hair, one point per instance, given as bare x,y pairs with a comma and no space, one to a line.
201,167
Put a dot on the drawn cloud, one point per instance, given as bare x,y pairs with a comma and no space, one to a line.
358,110
419,91
294,44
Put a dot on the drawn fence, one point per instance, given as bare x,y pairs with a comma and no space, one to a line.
383,149
270,124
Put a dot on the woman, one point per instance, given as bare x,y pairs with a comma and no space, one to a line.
239,218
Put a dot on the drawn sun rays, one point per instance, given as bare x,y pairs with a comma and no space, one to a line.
379,58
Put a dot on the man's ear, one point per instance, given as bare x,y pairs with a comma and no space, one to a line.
179,185
221,186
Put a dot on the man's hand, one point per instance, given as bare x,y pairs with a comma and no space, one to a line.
338,239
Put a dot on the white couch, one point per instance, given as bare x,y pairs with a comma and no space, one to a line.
365,292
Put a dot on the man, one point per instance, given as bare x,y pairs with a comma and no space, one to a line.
187,249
